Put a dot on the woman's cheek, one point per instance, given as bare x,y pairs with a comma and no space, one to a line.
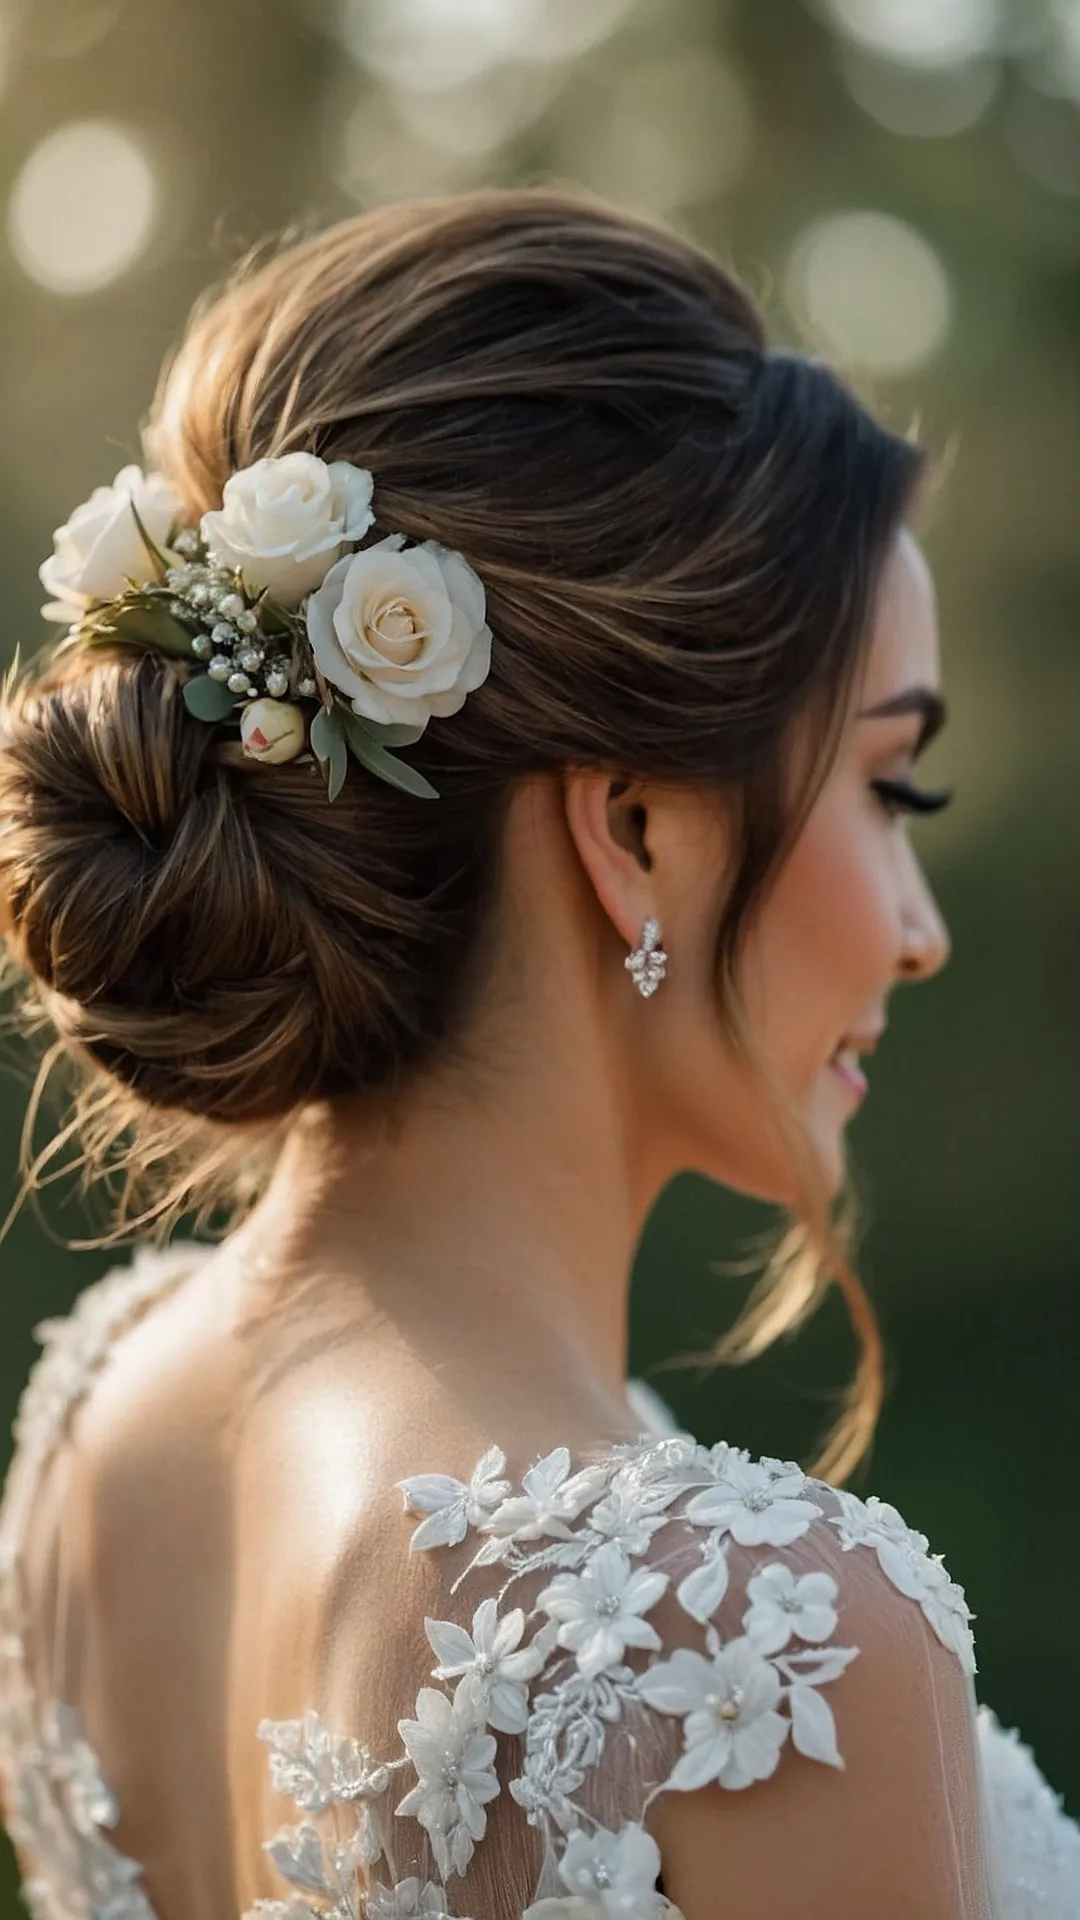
826,951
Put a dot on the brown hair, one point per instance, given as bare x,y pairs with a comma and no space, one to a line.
679,533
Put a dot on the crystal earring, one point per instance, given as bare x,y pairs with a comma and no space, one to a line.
648,962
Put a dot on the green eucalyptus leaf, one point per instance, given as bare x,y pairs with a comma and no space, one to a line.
339,766
392,734
397,772
208,699
326,728
144,620
327,736
275,619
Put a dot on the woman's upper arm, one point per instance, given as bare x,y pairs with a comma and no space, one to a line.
894,1833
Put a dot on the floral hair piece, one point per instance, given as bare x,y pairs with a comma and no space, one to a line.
296,634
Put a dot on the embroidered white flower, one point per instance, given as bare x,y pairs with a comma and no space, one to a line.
401,633
813,1729
904,1556
299,1856
452,1506
783,1603
95,551
610,1876
317,1769
600,1609
551,1497
495,1673
702,1590
408,1900
291,1909
942,1601
454,1760
284,521
75,1769
756,1507
733,1733
630,1516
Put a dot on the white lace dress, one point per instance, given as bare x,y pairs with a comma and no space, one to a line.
617,1631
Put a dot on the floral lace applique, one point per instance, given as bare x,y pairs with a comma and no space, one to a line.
564,1678
1036,1844
586,1658
60,1807
904,1555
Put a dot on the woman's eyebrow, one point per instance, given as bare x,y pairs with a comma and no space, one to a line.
924,700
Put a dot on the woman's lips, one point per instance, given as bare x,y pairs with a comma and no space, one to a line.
845,1064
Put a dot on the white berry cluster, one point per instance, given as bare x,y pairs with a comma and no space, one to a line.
228,635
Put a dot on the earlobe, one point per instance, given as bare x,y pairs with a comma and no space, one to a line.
608,822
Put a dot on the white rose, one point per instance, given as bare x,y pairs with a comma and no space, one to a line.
101,544
285,521
403,634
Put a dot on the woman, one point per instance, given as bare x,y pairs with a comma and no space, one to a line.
474,788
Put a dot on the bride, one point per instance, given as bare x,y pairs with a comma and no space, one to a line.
471,786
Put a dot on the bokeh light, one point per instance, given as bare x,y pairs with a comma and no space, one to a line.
662,136
81,207
477,117
432,44
925,32
1058,70
923,103
871,290
67,29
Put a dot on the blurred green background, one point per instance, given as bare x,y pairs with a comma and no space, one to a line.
899,181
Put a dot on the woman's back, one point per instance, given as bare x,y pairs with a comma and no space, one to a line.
217,1571
220,1538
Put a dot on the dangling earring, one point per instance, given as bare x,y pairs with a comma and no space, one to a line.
647,963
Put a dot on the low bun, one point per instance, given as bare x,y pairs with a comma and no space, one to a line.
209,934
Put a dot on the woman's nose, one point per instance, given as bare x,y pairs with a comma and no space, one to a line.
926,943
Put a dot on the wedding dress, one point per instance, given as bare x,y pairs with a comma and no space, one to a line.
573,1653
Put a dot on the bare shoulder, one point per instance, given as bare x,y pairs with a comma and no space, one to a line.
740,1651
887,1708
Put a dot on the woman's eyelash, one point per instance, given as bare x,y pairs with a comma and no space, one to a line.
899,796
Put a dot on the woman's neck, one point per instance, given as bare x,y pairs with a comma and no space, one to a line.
494,1213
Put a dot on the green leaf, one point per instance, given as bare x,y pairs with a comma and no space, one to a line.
144,620
327,737
154,551
391,734
397,772
339,767
274,619
208,699
325,728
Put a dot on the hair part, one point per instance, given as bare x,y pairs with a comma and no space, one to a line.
679,532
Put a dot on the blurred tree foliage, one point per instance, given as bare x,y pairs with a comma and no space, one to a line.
259,112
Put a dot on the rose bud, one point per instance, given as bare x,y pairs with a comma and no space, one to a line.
272,731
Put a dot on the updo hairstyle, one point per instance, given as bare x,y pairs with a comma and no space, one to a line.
679,533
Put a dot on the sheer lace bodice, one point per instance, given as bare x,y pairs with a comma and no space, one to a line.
587,1650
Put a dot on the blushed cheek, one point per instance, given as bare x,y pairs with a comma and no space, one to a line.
824,951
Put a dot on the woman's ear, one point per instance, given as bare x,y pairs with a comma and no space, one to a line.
608,819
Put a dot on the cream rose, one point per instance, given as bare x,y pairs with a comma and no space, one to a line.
402,634
100,545
285,521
